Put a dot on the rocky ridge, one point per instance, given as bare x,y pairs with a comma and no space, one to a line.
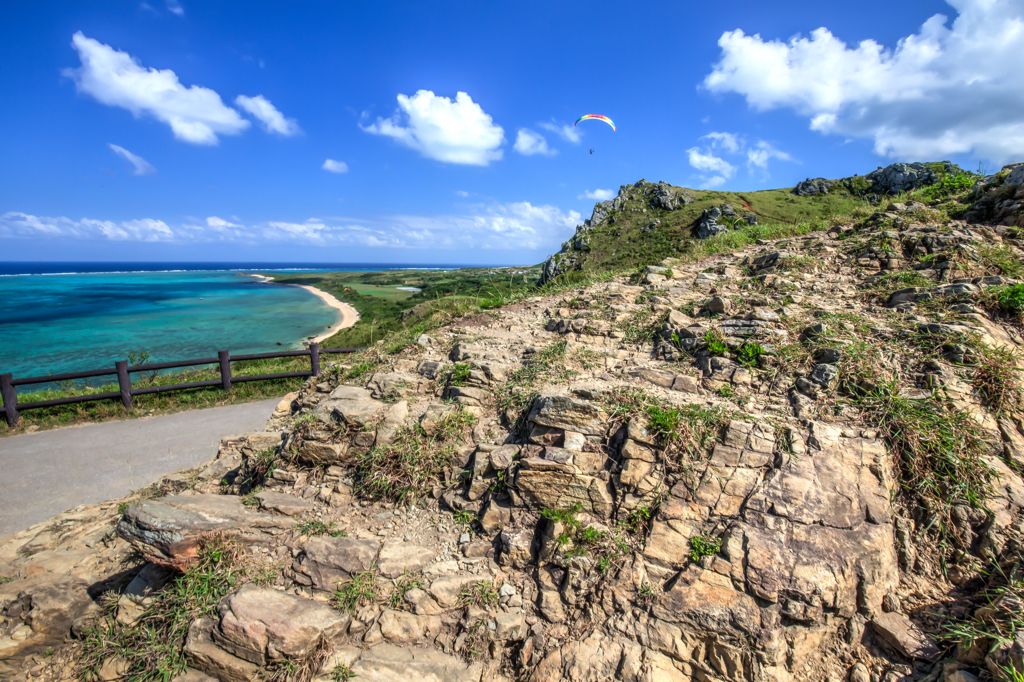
680,475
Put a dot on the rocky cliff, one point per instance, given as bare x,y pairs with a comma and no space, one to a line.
796,460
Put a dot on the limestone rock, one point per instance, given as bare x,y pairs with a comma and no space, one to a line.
167,530
564,412
388,663
397,557
283,503
260,624
328,561
903,635
202,653
349,405
402,627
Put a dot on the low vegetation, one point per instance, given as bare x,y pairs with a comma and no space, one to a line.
153,647
413,461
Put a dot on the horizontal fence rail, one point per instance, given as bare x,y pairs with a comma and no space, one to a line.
12,408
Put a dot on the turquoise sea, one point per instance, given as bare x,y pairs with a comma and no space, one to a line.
76,317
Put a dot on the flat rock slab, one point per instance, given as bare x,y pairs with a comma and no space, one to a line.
167,530
448,590
387,663
260,624
904,636
398,557
329,561
349,405
283,503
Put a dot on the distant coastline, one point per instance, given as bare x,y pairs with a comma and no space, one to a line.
348,315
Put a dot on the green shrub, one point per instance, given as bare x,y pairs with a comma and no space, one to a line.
704,545
716,343
1011,298
750,352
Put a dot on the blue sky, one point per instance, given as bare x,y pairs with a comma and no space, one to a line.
412,132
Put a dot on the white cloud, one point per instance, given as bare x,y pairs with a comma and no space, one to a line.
728,141
597,194
948,89
713,182
758,156
566,132
273,120
529,143
462,193
438,128
219,223
704,160
195,114
509,226
335,166
15,224
142,167
175,7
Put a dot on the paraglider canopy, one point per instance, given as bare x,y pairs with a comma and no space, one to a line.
597,117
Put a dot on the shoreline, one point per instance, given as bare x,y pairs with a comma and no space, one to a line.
348,315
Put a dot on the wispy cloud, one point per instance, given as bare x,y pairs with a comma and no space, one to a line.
175,7
142,167
273,120
335,166
597,194
566,132
456,131
509,226
529,143
716,169
195,114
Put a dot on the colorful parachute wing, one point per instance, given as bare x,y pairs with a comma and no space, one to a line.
597,117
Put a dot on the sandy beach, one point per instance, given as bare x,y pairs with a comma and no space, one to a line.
348,315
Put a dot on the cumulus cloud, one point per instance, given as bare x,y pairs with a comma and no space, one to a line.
273,120
529,143
438,128
509,226
335,166
597,194
708,162
195,114
175,7
948,89
566,132
142,167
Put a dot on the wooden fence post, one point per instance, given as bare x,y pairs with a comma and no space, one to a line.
10,400
124,382
314,358
225,369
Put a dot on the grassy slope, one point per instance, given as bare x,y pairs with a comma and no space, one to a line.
623,244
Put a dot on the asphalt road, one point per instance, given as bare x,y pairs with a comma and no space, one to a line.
45,473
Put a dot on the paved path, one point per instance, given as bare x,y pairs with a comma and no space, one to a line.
45,473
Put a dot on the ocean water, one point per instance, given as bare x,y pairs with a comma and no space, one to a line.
72,317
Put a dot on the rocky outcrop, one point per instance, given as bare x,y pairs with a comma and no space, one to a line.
167,530
809,187
664,481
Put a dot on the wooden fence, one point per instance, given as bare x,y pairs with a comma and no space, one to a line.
12,408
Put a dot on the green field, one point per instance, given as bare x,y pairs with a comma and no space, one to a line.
380,303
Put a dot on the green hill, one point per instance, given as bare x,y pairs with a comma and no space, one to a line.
649,221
